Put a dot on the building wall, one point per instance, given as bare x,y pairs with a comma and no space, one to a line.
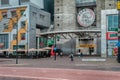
39,3
11,21
31,17
40,18
110,4
104,25
65,15
103,5
100,6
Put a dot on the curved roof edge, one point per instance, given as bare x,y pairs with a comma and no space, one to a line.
69,31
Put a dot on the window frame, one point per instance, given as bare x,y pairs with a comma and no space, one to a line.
23,24
23,37
42,16
6,26
4,15
112,23
13,14
22,12
15,26
24,1
14,36
3,2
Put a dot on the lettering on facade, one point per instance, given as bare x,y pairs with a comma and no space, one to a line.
87,45
112,35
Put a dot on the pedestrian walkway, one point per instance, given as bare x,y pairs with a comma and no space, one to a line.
109,64
60,69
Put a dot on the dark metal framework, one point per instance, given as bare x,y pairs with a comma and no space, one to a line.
73,34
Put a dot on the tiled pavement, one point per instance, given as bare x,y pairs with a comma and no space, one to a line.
60,69
110,64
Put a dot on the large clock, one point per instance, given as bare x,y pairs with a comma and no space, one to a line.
86,17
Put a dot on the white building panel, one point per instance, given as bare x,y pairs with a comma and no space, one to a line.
104,14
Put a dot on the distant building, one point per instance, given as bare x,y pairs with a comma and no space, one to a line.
49,7
20,22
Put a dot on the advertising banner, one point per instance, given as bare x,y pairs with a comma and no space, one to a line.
112,35
112,48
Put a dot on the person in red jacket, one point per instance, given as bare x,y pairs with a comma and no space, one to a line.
52,51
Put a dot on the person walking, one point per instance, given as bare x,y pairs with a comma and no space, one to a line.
79,53
72,57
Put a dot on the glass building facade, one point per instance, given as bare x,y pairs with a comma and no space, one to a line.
4,41
49,7
112,22
112,29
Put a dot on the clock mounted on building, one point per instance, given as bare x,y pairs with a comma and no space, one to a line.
86,17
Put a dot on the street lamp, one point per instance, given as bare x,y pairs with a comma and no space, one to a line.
17,44
55,48
27,41
17,28
10,17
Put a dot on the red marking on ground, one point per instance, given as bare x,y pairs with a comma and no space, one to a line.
58,74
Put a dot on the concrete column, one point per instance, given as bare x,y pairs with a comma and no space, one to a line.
103,34
37,42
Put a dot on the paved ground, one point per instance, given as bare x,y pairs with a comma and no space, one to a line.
110,64
60,69
55,74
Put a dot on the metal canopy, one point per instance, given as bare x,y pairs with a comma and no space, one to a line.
72,33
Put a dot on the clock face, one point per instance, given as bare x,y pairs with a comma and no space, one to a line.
86,17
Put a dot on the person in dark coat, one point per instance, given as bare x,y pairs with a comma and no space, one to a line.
71,57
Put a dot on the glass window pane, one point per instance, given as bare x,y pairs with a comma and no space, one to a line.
13,13
4,14
14,36
110,22
116,21
22,12
22,24
15,26
5,26
22,36
4,2
24,0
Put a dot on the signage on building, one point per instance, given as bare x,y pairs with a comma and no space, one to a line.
112,29
112,48
87,45
112,35
112,43
86,17
118,4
